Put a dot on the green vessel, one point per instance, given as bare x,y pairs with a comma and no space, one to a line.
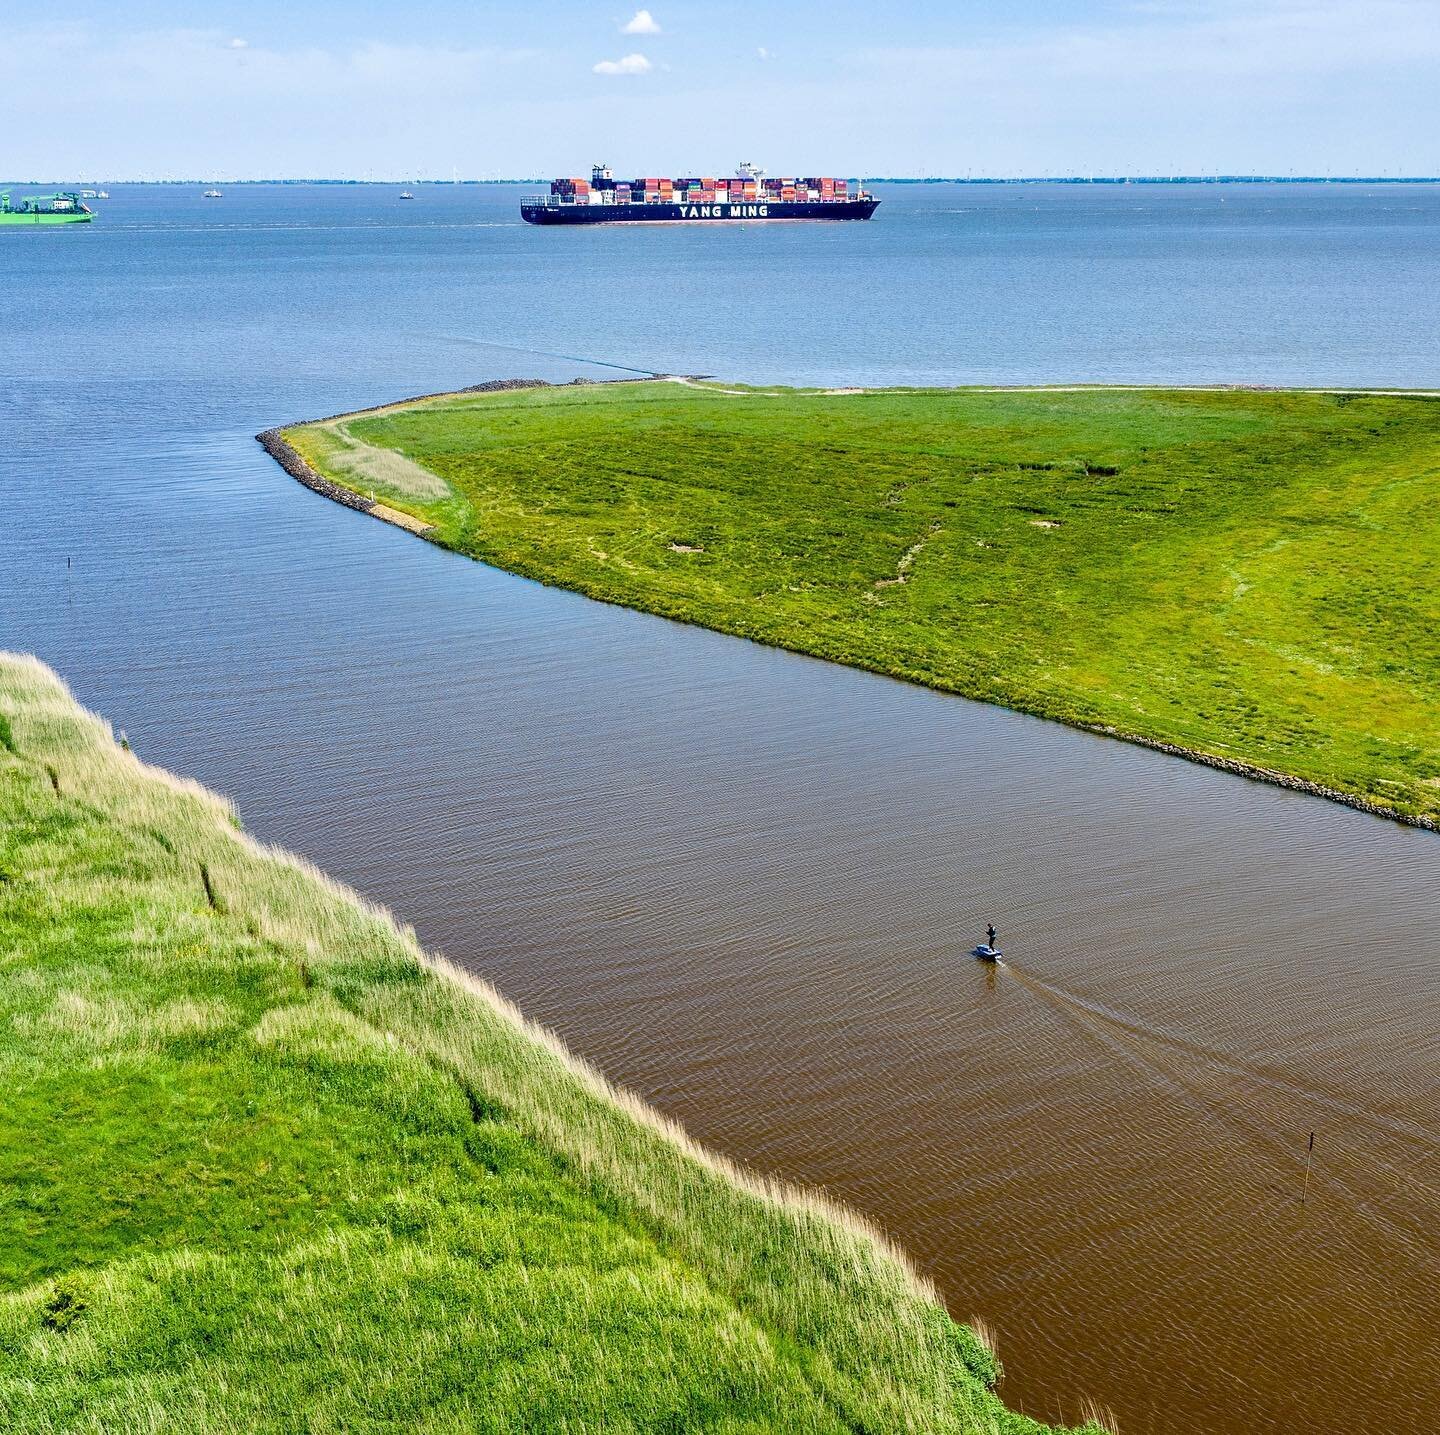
45,209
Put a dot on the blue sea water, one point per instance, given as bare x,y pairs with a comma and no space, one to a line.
737,878
1280,284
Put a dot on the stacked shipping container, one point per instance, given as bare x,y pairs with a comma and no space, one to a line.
701,190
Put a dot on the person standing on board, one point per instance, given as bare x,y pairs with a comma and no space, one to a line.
990,936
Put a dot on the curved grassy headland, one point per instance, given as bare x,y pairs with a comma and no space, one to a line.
266,1166
1242,576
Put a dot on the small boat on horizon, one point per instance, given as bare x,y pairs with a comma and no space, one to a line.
211,194
405,194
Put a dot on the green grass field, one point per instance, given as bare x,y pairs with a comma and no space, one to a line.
267,1168
1248,575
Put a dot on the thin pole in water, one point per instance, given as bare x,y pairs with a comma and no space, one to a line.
1309,1156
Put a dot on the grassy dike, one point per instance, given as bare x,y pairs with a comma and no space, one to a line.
266,1166
1244,577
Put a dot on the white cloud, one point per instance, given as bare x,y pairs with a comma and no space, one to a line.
642,23
194,105
627,65
169,69
1266,39
763,52
1169,86
1141,86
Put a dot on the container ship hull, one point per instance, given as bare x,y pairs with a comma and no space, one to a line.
748,198
749,211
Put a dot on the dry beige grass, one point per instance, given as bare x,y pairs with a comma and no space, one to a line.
363,467
1099,1417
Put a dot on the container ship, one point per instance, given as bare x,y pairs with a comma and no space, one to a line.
45,209
602,199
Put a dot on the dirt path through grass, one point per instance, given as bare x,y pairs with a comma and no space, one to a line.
363,466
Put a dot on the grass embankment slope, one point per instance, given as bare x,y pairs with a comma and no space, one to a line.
265,1167
1248,575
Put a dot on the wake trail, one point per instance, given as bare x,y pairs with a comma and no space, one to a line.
1236,1066
546,354
1127,1037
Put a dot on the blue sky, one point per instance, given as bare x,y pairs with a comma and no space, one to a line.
373,88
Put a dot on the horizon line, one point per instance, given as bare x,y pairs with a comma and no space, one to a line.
1106,179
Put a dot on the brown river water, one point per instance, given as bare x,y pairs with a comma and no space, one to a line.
1101,1147
744,882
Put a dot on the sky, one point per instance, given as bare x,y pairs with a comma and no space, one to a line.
156,89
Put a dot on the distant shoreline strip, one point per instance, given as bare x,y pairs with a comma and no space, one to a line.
873,179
